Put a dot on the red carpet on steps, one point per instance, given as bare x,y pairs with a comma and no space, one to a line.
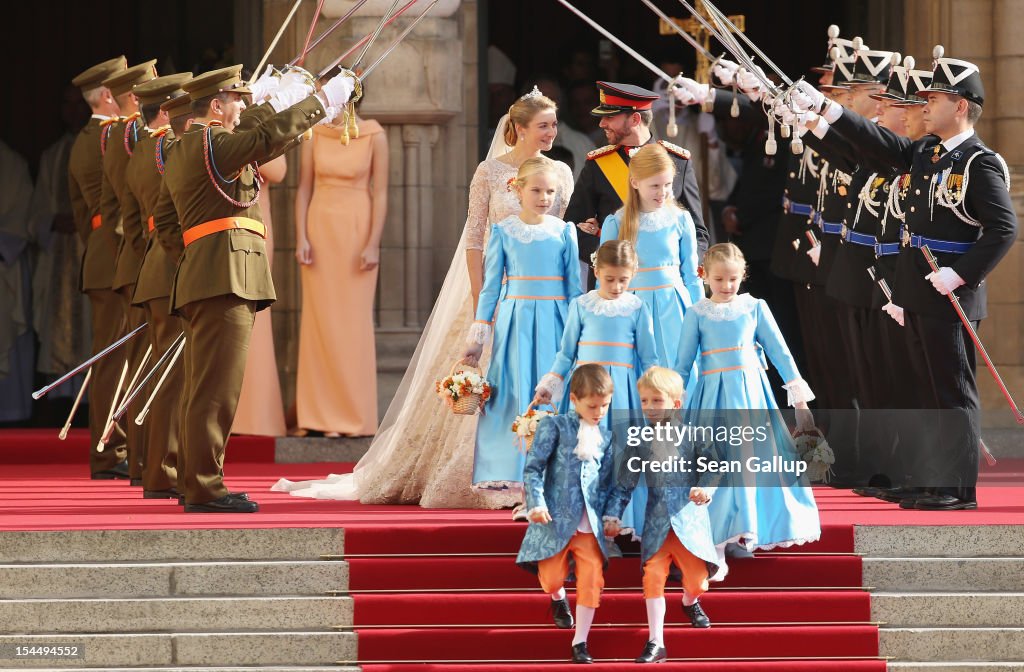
438,589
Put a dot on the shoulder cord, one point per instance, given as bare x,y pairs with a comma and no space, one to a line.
864,200
131,128
211,170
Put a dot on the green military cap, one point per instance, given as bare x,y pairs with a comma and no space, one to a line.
94,76
179,106
122,82
225,80
161,89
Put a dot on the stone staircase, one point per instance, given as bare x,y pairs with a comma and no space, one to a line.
160,600
951,597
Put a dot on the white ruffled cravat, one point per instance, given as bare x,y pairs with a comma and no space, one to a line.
588,445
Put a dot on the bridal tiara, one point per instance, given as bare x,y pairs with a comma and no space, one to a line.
532,94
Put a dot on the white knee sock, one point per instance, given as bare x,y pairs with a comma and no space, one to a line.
584,619
688,599
656,620
559,594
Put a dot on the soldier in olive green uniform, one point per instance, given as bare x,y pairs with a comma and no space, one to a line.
223,277
85,177
142,180
117,143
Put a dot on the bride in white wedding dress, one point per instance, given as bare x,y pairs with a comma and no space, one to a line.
422,453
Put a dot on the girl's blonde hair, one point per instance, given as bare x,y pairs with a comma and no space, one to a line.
649,160
663,380
620,253
532,166
522,113
723,252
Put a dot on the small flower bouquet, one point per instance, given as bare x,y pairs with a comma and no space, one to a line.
525,425
815,451
464,389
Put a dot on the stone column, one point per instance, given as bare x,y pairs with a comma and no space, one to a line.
986,32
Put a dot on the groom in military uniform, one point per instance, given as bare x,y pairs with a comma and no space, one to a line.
601,189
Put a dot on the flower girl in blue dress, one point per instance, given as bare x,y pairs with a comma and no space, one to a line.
666,242
724,336
531,273
613,328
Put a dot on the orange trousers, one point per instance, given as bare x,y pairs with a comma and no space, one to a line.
656,569
585,550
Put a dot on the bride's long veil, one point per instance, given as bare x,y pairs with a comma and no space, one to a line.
453,298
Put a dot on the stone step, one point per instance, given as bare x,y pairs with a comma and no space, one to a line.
181,614
965,610
207,579
170,545
938,574
939,541
952,644
236,649
318,449
896,666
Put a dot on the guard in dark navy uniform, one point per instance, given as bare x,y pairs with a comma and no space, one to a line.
601,188
958,205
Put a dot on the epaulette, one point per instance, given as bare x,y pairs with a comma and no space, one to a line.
601,151
675,149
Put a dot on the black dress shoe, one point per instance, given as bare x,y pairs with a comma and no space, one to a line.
899,495
136,483
561,613
698,618
867,491
941,503
580,654
225,504
181,500
119,472
239,495
169,493
652,654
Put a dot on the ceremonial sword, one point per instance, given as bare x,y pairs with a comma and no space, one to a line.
357,45
934,264
273,43
89,362
327,32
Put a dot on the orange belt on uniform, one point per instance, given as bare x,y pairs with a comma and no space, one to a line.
224,224
97,222
150,225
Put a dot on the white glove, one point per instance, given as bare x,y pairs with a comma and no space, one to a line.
292,89
895,312
945,280
339,89
265,87
725,71
706,126
750,83
689,92
784,112
815,99
815,254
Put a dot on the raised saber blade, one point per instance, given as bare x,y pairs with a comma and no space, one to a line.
123,408
339,59
89,362
405,33
376,34
331,29
682,33
728,22
273,43
619,43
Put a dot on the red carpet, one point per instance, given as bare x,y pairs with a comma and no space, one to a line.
439,587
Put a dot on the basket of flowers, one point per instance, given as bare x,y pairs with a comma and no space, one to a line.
525,425
464,389
815,451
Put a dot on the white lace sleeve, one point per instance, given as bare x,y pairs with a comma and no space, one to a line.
565,187
479,204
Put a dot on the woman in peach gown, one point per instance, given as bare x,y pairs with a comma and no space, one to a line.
339,217
260,409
